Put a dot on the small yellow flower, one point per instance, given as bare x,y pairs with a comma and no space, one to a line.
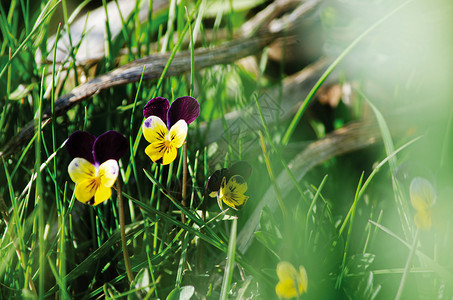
232,192
163,142
229,185
423,197
93,181
291,283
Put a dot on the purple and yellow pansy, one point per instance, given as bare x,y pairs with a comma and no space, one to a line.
229,185
165,126
94,167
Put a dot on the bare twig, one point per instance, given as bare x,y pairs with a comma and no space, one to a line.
127,263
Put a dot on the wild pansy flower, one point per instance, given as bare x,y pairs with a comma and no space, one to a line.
165,126
291,283
229,185
95,168
423,197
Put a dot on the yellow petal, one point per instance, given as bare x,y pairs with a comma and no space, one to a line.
81,170
422,194
422,219
178,133
237,184
235,202
102,193
285,289
108,172
291,282
285,271
213,194
85,190
232,193
155,151
154,129
164,150
169,154
303,279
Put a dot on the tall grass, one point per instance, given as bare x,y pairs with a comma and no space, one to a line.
347,218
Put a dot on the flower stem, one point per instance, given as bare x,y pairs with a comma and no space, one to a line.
407,267
127,263
184,181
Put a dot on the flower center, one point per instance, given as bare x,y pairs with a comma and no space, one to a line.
168,142
95,182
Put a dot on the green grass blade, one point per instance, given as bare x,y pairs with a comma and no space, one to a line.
231,254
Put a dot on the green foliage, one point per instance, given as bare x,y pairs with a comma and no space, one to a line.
345,217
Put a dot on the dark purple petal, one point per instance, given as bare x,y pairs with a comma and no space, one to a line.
242,168
157,107
214,181
183,108
80,144
110,145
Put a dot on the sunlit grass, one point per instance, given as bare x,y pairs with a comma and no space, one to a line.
329,188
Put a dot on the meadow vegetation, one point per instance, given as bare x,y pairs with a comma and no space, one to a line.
304,151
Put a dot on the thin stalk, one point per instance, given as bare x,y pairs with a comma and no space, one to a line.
273,180
201,246
39,203
231,254
60,203
310,209
131,149
407,267
148,28
182,260
205,198
71,47
127,262
192,57
184,181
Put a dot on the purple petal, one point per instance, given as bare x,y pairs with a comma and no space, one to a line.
214,181
110,145
183,108
80,144
242,168
157,107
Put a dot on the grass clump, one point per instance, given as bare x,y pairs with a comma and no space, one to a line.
314,165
